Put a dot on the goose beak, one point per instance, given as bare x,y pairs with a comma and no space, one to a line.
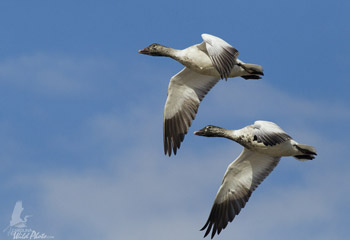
144,51
199,133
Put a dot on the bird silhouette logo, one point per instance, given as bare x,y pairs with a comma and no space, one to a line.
16,220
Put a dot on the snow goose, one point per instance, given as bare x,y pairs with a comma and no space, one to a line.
264,144
205,64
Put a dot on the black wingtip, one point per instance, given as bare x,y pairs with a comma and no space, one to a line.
208,226
205,226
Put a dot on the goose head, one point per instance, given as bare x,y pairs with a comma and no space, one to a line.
155,49
210,131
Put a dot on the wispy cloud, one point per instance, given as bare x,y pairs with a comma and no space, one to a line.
147,195
54,74
254,98
123,187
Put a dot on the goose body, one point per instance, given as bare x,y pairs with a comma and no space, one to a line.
264,144
197,59
205,64
265,137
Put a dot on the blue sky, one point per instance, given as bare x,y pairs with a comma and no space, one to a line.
81,117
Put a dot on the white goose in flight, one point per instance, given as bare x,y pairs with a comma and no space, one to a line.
264,144
205,64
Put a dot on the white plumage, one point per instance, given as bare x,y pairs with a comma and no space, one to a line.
205,64
264,144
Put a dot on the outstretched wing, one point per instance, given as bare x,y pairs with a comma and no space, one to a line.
222,54
269,133
186,91
242,177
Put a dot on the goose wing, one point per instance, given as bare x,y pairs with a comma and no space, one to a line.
269,133
242,177
222,55
185,92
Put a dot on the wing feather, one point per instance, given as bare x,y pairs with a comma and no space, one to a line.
186,90
269,133
222,54
242,177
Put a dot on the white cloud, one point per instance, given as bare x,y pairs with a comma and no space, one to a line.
138,193
147,195
154,197
53,74
249,99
